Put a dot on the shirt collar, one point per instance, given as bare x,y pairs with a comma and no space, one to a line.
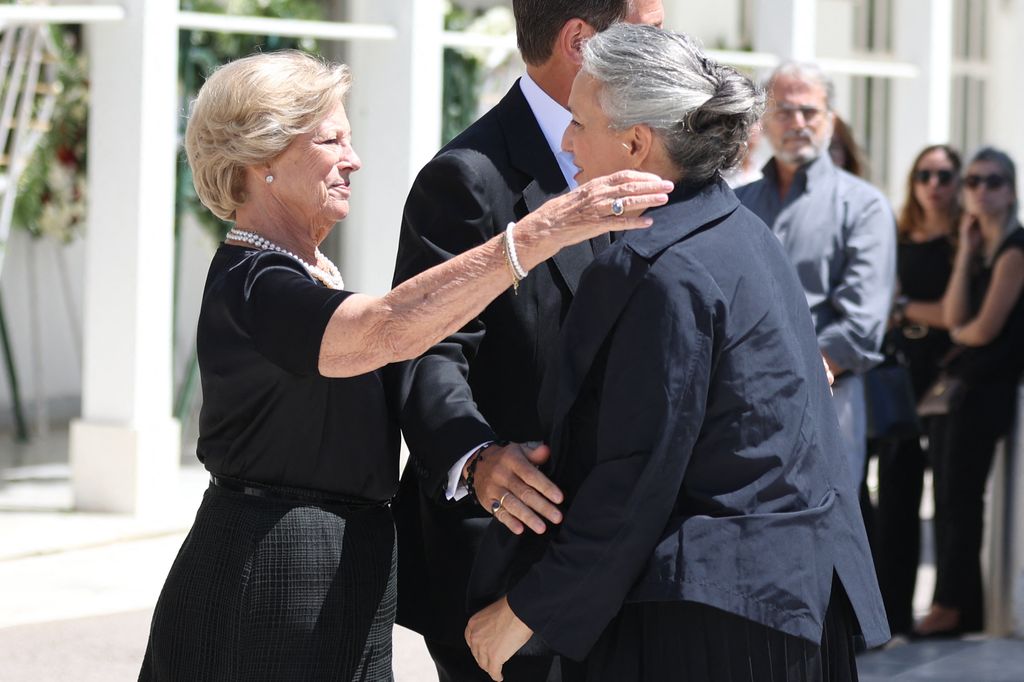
807,175
689,208
552,117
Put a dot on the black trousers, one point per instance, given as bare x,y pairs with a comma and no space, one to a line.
690,642
456,664
897,541
961,448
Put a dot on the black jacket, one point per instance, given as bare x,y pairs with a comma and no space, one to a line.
695,437
483,382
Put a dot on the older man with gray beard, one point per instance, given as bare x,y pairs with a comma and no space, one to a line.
839,232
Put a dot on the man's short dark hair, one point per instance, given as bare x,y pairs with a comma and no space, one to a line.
539,21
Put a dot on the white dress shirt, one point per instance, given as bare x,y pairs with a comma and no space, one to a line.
553,119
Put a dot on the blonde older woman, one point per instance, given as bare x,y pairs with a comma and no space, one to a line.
289,570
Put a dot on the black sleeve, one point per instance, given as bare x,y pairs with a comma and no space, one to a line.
286,311
652,403
447,213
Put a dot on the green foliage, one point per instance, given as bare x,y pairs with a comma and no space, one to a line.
461,80
200,52
51,191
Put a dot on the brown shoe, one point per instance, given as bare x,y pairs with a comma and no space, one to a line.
941,621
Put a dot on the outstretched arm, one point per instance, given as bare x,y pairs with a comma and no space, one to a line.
368,332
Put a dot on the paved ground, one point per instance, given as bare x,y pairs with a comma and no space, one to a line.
77,590
83,614
967,660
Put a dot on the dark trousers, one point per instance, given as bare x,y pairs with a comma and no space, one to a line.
456,664
897,541
961,448
690,642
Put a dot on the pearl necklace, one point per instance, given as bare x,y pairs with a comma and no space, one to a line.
324,270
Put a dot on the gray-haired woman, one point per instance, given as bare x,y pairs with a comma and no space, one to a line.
712,529
288,572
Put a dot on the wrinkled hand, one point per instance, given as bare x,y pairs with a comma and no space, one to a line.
494,634
509,474
586,211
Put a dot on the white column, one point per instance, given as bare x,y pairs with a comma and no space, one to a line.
126,447
1005,88
395,111
921,106
1004,100
786,28
1015,518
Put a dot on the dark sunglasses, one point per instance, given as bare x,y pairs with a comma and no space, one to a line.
925,176
992,181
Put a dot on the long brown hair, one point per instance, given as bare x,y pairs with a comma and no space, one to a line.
854,161
912,213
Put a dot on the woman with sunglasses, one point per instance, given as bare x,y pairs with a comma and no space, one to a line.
984,311
926,228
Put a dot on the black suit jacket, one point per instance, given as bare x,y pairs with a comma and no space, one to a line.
483,382
696,441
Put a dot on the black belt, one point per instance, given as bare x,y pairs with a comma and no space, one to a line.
295,495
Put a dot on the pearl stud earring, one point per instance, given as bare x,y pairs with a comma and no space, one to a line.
270,179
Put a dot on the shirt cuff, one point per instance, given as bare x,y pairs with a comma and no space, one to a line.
456,489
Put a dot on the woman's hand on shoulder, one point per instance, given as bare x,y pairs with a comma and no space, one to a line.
593,209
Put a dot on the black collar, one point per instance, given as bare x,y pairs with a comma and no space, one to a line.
688,209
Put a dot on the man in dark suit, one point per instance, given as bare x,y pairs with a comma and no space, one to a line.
471,402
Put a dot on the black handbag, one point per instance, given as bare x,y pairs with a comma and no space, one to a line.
892,409
942,397
948,390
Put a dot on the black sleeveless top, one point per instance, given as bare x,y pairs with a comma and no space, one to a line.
268,415
1002,360
924,269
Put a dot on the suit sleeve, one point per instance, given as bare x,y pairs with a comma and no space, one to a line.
652,405
446,214
864,294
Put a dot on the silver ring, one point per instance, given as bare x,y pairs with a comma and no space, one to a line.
617,207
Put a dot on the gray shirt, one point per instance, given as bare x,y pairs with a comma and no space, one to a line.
840,234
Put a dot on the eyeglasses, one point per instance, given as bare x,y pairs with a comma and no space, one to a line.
993,181
785,112
925,176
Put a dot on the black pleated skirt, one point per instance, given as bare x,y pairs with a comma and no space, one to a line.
690,642
265,589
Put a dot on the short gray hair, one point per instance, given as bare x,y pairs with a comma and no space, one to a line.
701,111
807,72
248,112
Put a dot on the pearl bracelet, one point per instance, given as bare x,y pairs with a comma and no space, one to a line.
510,249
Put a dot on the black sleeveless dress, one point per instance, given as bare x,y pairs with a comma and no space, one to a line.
289,570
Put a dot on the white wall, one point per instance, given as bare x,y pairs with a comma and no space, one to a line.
48,359
719,29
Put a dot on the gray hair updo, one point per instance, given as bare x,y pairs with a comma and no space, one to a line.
702,111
